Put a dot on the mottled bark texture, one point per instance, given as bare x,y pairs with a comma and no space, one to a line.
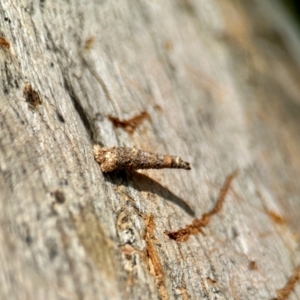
214,82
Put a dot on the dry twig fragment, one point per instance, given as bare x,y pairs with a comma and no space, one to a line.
124,158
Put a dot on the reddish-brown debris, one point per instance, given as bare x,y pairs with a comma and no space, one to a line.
155,265
4,43
131,124
31,96
285,292
183,234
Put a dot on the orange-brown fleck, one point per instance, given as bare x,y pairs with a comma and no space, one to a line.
168,46
276,217
89,43
168,160
130,125
183,234
4,43
154,262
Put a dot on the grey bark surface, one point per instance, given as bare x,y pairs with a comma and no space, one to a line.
219,81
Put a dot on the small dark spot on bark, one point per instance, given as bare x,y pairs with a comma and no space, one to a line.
52,247
234,233
59,196
52,253
31,96
51,64
6,90
128,256
60,117
252,265
7,20
42,3
28,238
16,84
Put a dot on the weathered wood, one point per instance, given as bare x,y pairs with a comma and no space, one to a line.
214,82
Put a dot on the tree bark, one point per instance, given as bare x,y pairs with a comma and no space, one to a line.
214,82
